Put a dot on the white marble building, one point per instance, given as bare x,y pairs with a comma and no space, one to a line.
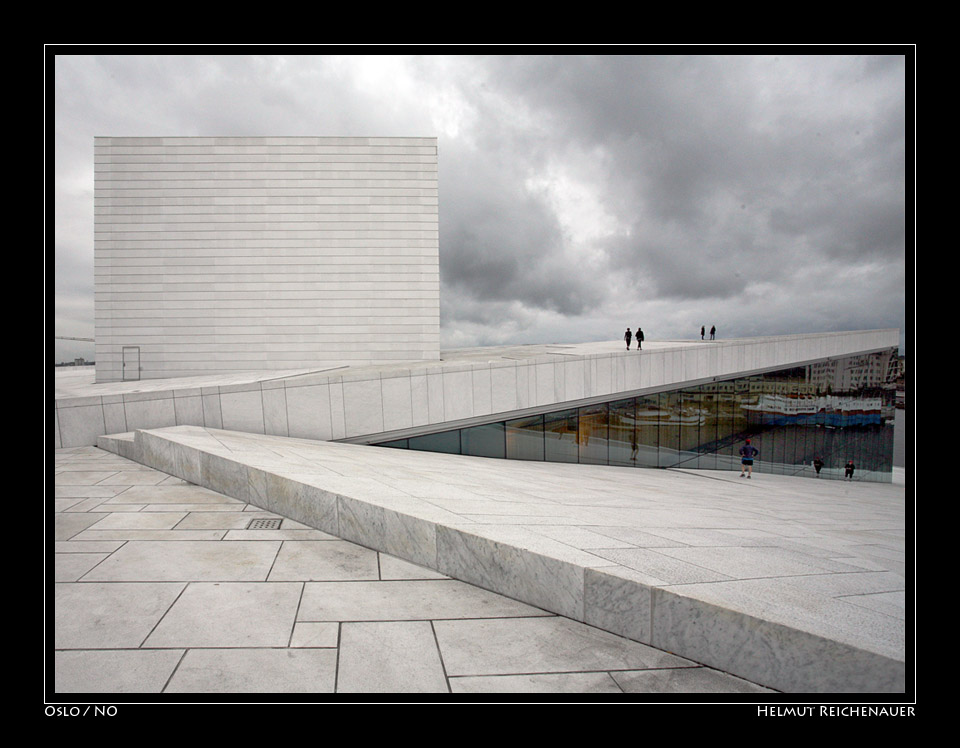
220,255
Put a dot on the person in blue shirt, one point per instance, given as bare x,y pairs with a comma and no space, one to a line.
747,453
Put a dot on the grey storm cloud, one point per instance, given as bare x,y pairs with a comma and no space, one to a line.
578,193
506,243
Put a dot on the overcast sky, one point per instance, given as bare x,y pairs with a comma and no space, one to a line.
579,195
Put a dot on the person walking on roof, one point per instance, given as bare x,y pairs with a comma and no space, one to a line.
747,453
713,332
628,336
640,339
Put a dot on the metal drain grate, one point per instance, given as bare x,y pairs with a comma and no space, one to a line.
264,524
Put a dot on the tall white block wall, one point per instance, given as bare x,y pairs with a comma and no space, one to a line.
216,255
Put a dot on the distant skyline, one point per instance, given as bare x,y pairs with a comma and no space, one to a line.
579,195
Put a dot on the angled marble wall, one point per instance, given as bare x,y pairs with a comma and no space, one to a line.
398,400
239,254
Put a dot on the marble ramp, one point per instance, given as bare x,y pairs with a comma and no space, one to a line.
764,583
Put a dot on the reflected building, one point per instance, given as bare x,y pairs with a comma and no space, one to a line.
835,410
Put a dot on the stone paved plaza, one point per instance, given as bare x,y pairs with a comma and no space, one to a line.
163,587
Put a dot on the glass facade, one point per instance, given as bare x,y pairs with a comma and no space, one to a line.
832,412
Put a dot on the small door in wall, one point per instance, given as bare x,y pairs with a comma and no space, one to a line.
131,363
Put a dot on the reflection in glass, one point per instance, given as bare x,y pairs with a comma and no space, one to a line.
746,419
560,436
833,410
648,430
791,393
670,417
726,425
592,434
396,444
622,432
525,438
445,441
778,406
709,403
483,441
690,422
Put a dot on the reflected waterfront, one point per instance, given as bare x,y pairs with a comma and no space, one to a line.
900,439
832,411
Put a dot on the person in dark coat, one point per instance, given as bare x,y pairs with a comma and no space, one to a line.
640,338
703,331
818,465
848,470
713,332
628,336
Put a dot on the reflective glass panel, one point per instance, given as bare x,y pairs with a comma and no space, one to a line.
690,421
726,425
622,432
525,438
483,441
670,416
648,430
828,412
396,444
593,434
560,436
709,404
445,441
